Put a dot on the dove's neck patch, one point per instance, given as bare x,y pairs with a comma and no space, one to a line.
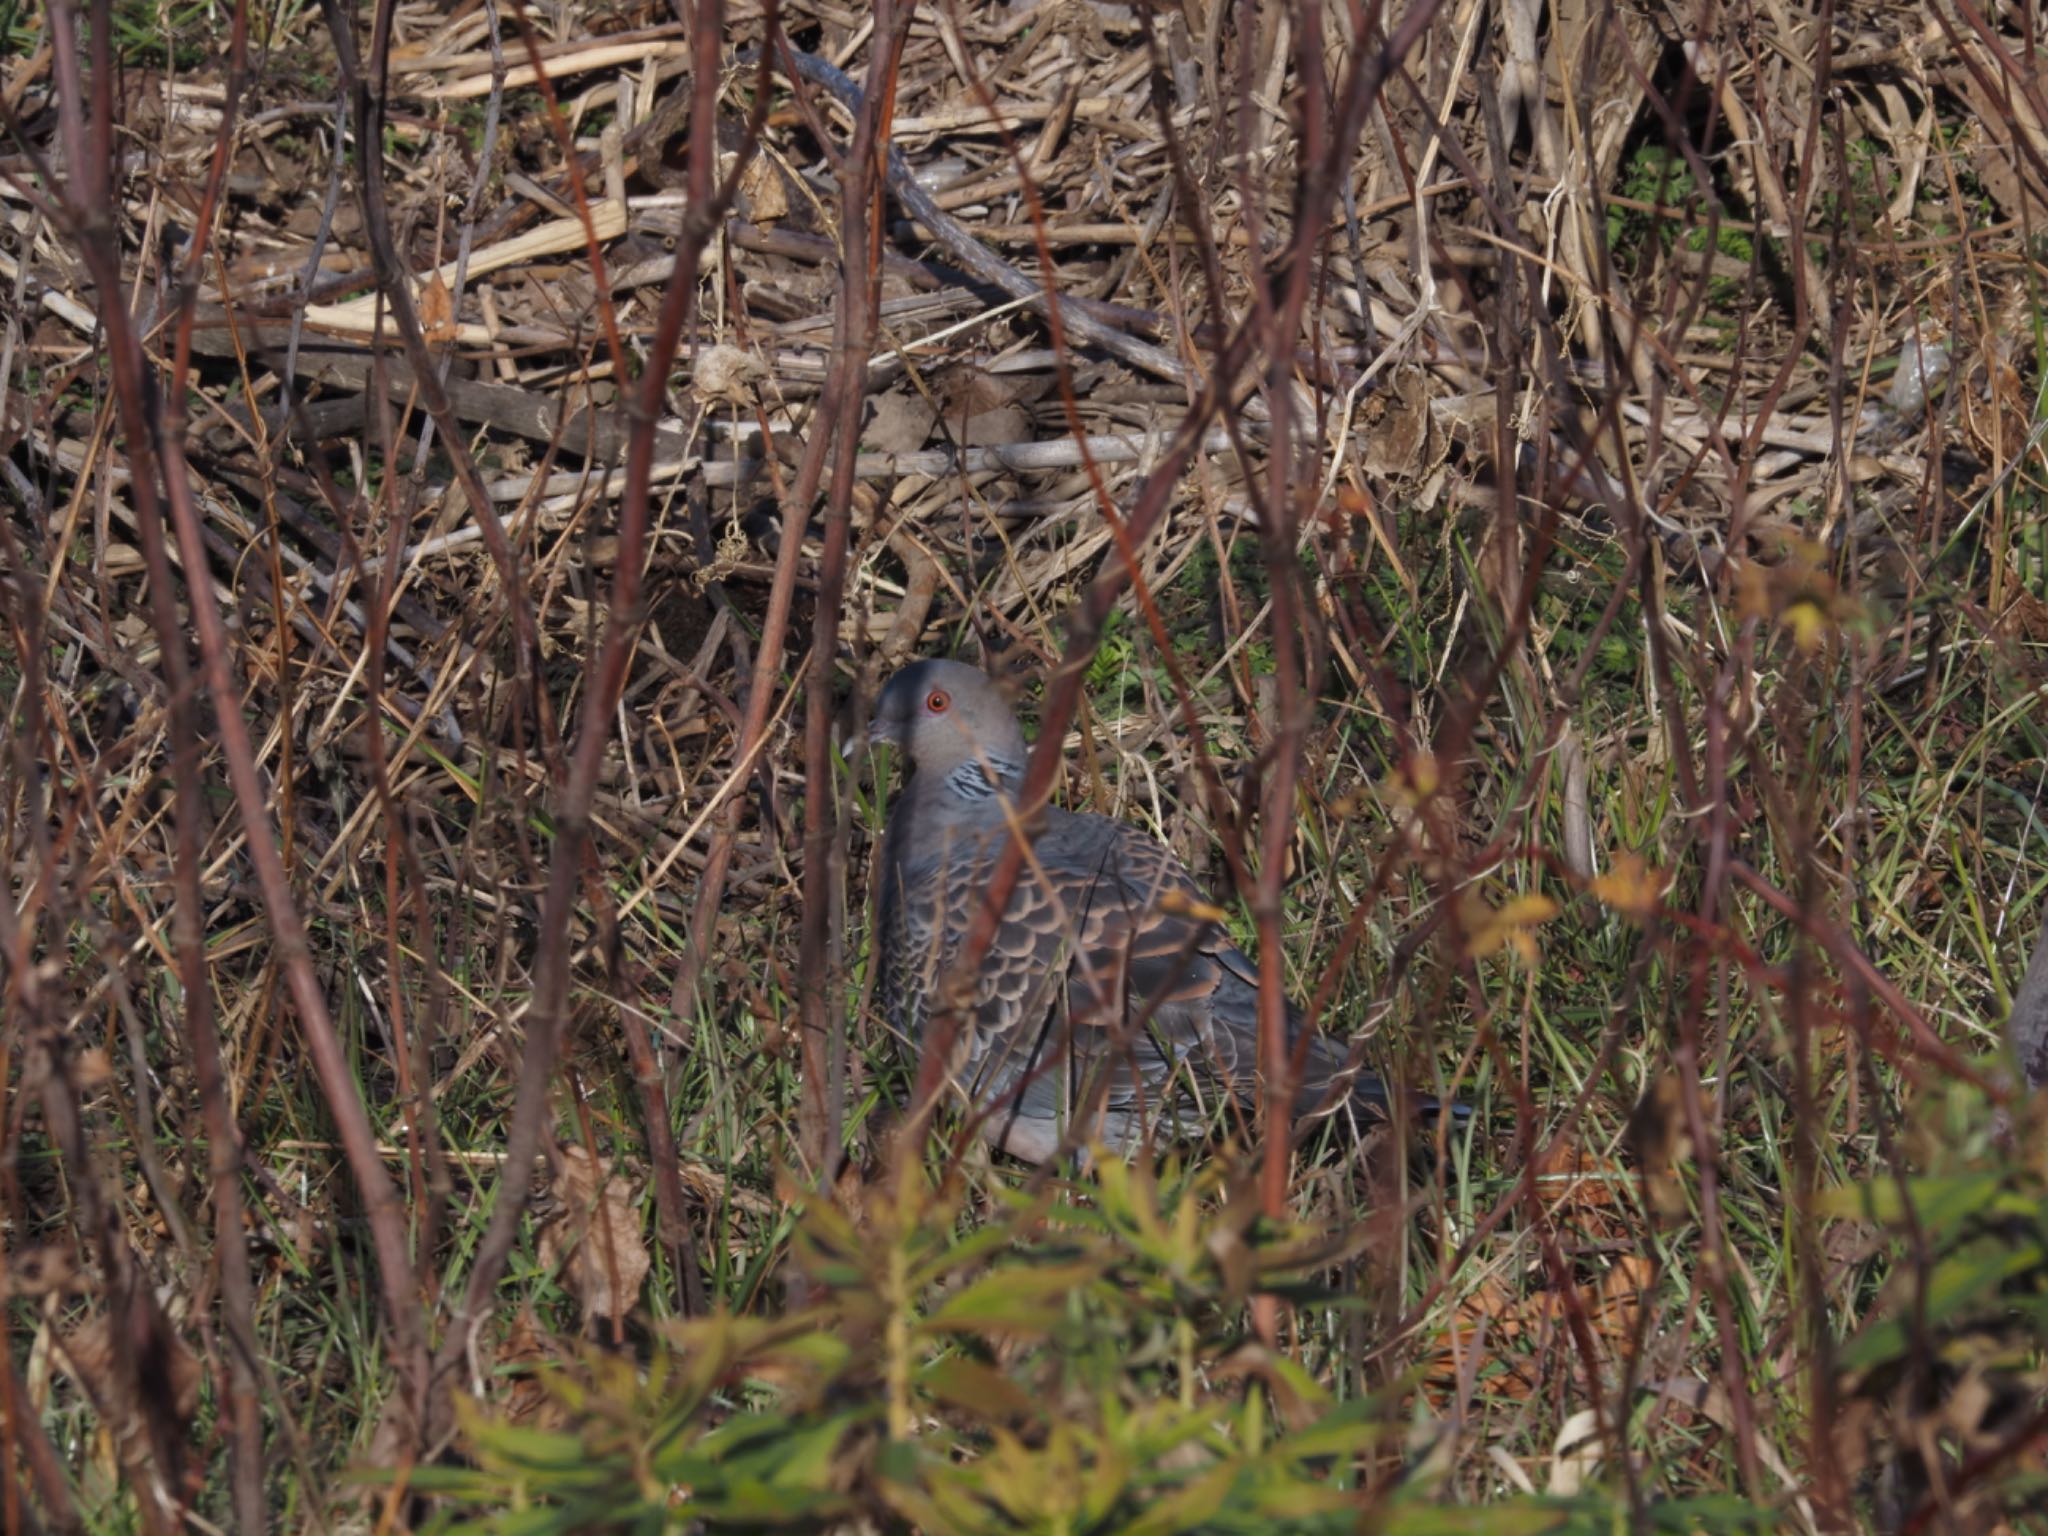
971,781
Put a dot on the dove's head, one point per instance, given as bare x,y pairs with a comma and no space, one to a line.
949,720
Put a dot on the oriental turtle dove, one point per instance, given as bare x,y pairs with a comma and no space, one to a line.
1111,1003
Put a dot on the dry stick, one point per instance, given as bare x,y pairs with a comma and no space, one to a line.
1073,450
1458,730
1622,319
45,1469
224,1152
415,1100
155,441
1207,246
1328,159
1459,723
822,1036
338,1084
1277,525
959,242
2013,75
412,1046
1947,1497
1824,1384
25,1003
1830,1488
841,384
543,1023
1707,796
707,204
1281,326
130,1311
1821,1368
137,1387
1546,1156
398,294
551,979
1844,952
1502,568
1718,727
480,182
440,1181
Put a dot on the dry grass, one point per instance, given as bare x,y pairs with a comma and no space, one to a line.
1538,590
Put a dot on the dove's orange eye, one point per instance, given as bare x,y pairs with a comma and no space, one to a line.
938,701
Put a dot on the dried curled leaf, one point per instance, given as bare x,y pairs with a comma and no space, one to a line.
596,1237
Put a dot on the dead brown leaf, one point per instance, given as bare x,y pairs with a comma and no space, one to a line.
765,192
1496,1319
524,1353
437,311
143,1381
595,1239
979,410
898,422
45,1270
1397,435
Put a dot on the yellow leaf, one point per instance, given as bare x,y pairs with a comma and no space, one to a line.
1415,780
1528,911
1488,929
1630,886
1808,621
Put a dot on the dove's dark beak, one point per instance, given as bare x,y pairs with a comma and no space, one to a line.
890,722
880,731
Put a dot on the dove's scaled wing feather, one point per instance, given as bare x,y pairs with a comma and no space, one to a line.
1111,999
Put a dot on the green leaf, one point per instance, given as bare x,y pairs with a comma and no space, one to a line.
1187,1508
975,1389
1523,1517
1957,1281
972,1249
1345,1431
535,1450
1940,1202
1014,1300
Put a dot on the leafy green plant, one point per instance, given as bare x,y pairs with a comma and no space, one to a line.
1663,179
183,35
1944,1378
18,29
1078,1364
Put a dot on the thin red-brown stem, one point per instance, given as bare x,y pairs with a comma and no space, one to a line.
622,622
822,1040
365,80
154,433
